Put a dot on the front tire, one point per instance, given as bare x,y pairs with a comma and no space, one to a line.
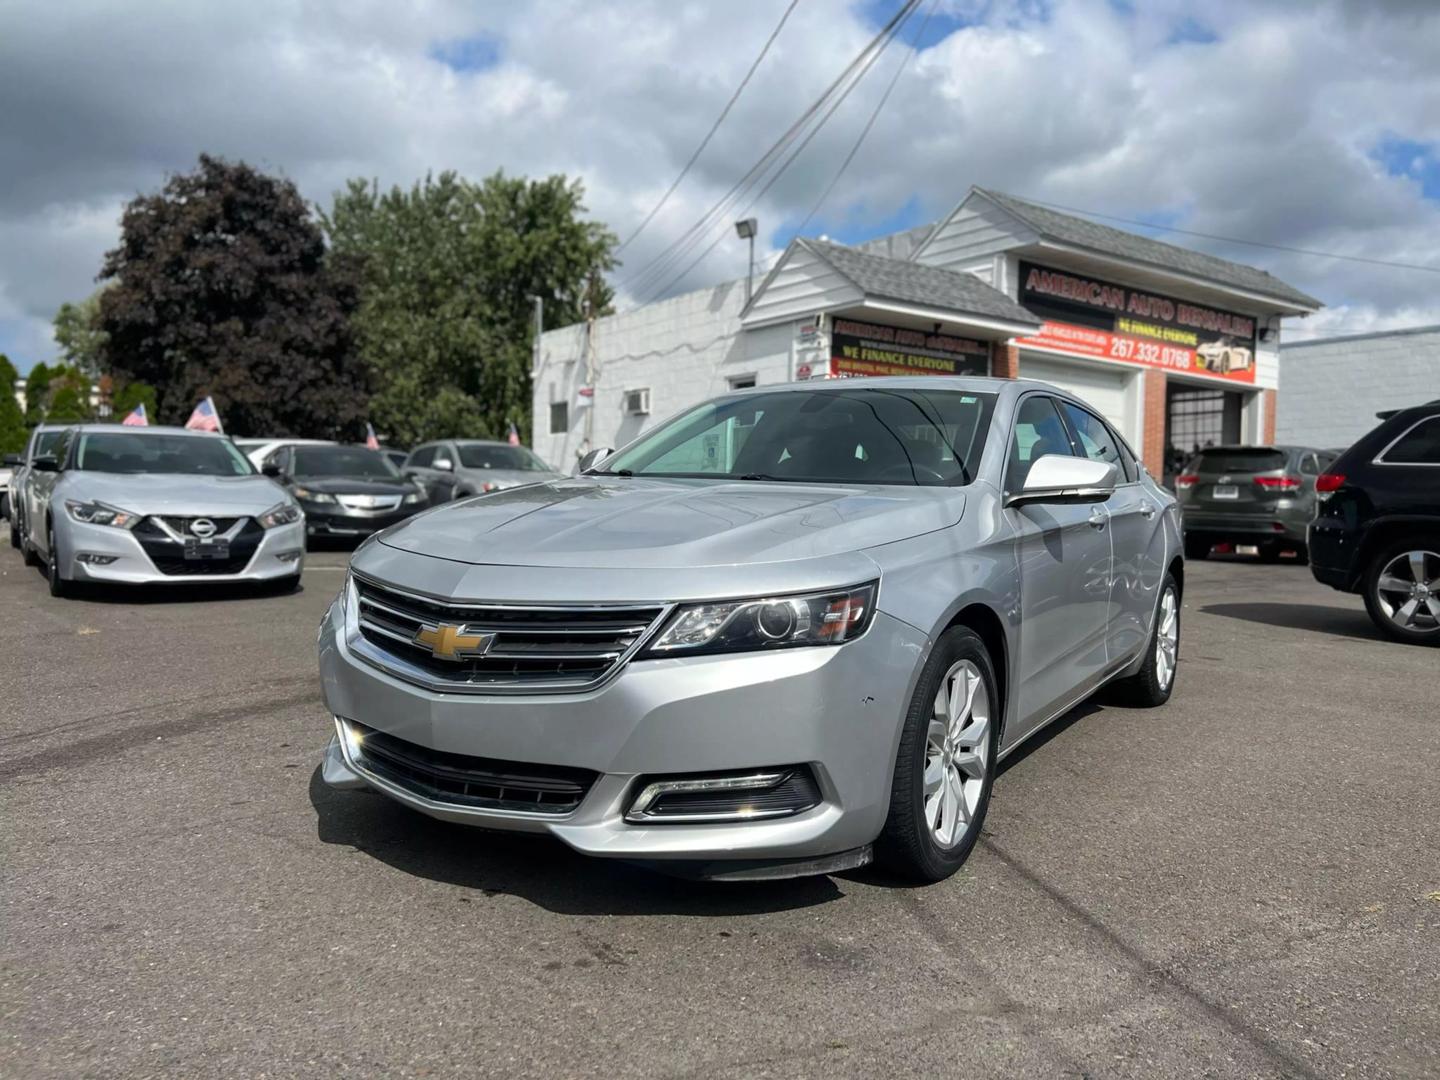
945,767
14,532
1402,590
1152,685
59,587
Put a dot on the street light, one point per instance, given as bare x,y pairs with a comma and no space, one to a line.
746,230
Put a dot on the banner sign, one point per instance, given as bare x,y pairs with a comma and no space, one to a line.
1087,317
860,348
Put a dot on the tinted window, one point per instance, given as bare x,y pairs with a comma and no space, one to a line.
112,452
1093,438
1238,459
422,458
1418,446
500,457
45,443
1038,431
342,461
859,435
1308,465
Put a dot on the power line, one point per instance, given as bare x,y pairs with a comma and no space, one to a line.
852,76
865,132
1237,240
656,267
713,128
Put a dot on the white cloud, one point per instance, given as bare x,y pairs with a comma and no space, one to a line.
1266,132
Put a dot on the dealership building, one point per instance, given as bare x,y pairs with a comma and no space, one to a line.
1176,348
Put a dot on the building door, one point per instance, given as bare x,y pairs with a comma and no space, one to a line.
1197,417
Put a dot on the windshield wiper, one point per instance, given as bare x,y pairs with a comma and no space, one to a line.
757,476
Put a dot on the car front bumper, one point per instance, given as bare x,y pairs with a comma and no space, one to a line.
330,520
280,554
836,709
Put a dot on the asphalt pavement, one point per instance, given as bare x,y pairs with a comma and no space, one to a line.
1244,883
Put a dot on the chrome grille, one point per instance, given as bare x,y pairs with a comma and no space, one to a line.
501,647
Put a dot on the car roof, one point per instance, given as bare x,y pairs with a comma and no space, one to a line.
149,429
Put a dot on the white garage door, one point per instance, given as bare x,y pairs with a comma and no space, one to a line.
1107,392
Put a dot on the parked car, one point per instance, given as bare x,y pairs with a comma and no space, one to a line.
1260,495
456,468
1377,532
344,490
260,450
146,505
785,626
42,441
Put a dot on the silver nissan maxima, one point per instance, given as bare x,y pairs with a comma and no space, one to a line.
788,630
135,506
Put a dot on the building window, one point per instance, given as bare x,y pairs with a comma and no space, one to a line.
741,382
559,417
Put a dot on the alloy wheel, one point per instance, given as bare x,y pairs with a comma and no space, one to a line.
957,753
1408,591
1167,639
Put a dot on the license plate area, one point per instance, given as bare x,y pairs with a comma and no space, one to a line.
207,549
1225,491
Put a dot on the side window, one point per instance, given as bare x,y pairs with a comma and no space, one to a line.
1038,431
62,447
1128,465
1418,446
421,458
280,458
1093,438
1309,466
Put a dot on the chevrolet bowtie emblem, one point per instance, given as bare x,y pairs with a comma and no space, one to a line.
447,642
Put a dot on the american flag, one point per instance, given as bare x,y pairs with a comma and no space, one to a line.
136,417
514,437
371,442
204,418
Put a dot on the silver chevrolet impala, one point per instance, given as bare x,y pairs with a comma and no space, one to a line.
787,631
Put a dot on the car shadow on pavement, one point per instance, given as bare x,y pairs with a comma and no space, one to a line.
537,868
1320,618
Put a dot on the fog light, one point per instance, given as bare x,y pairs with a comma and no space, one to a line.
768,793
289,556
351,736
95,560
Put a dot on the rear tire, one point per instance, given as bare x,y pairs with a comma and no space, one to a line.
1389,587
1197,548
944,768
1152,685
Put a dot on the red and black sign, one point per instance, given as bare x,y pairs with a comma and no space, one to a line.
1088,317
861,348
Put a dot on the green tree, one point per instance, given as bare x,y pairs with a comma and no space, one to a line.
37,394
80,336
447,272
69,397
12,420
130,395
222,287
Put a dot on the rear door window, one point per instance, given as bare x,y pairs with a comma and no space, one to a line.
1418,446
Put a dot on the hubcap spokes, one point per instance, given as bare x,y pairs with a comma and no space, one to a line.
957,753
1167,639
1408,591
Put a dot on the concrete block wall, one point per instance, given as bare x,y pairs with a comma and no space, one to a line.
1331,390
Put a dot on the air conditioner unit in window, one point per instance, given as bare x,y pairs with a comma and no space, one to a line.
637,402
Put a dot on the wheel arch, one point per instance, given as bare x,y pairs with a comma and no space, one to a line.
1387,531
987,624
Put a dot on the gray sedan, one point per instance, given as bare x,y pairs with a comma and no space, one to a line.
146,505
788,630
457,468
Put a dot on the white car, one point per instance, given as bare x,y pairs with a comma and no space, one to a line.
257,450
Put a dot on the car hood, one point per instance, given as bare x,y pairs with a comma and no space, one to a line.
354,485
164,493
649,523
508,477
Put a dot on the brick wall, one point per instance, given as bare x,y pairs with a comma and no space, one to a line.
1005,361
1152,442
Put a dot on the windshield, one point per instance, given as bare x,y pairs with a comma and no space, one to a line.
343,461
516,458
113,452
1243,460
864,435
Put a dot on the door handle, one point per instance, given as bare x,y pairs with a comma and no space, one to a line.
1098,518
1147,510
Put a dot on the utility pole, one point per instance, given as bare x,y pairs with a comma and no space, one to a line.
539,302
746,230
592,370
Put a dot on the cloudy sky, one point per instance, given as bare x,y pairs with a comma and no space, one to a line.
1300,124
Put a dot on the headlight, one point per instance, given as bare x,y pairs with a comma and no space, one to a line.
414,497
286,513
97,513
829,618
313,496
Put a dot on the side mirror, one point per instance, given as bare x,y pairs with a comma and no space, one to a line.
272,470
14,460
45,463
593,458
1060,478
444,464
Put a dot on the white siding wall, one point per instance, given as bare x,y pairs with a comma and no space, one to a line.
1330,391
802,285
684,350
978,230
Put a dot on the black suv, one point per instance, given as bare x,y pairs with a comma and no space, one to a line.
1377,531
